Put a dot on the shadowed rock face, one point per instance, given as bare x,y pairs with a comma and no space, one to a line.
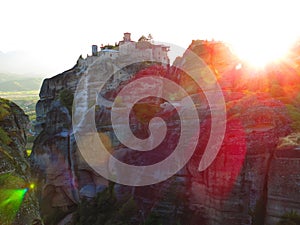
283,184
237,188
244,185
64,176
54,156
14,168
230,189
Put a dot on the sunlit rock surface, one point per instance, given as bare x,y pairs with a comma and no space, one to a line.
238,188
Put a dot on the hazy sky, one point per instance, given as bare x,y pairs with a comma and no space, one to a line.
46,37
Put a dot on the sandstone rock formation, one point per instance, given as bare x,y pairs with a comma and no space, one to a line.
65,178
238,188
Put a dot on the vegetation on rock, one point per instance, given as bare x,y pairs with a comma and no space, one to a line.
18,205
66,98
106,209
262,107
290,218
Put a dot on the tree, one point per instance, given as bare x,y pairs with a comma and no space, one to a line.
66,98
143,38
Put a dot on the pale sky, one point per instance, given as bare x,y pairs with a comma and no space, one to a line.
46,37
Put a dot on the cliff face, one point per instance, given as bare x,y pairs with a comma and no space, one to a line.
283,184
14,168
251,181
64,176
232,189
239,186
53,157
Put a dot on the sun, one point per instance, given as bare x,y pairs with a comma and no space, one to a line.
264,32
259,53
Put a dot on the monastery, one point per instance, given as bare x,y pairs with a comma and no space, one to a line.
143,49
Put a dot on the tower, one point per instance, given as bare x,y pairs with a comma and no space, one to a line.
127,37
94,50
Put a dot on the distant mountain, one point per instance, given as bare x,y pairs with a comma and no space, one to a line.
15,82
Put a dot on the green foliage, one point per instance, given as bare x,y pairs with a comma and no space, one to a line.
11,181
4,137
3,113
154,219
30,139
276,90
66,98
106,210
127,210
175,196
4,110
291,218
143,38
28,106
56,216
297,100
25,99
111,47
294,114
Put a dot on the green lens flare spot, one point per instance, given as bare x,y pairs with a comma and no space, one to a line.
10,203
32,186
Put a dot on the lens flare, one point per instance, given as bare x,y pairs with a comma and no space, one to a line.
10,203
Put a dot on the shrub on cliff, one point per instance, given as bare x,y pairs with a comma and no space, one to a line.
4,138
106,210
4,111
66,97
294,114
291,218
